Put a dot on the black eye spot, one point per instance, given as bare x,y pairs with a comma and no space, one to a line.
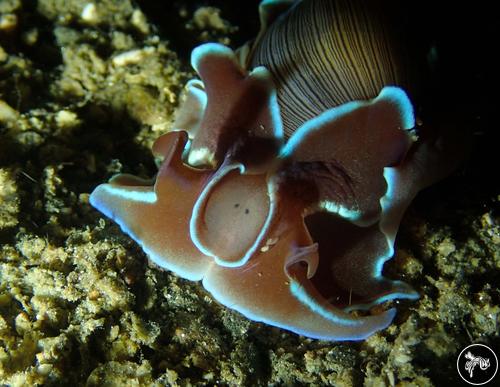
246,211
236,205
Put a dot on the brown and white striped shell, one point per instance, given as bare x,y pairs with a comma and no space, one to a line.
323,53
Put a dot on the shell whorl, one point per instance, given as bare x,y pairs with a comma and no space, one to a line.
323,53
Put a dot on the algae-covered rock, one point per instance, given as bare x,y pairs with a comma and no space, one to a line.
9,200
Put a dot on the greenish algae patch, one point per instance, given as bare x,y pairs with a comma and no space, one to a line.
85,88
9,200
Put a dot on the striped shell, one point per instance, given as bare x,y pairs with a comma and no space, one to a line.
324,53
